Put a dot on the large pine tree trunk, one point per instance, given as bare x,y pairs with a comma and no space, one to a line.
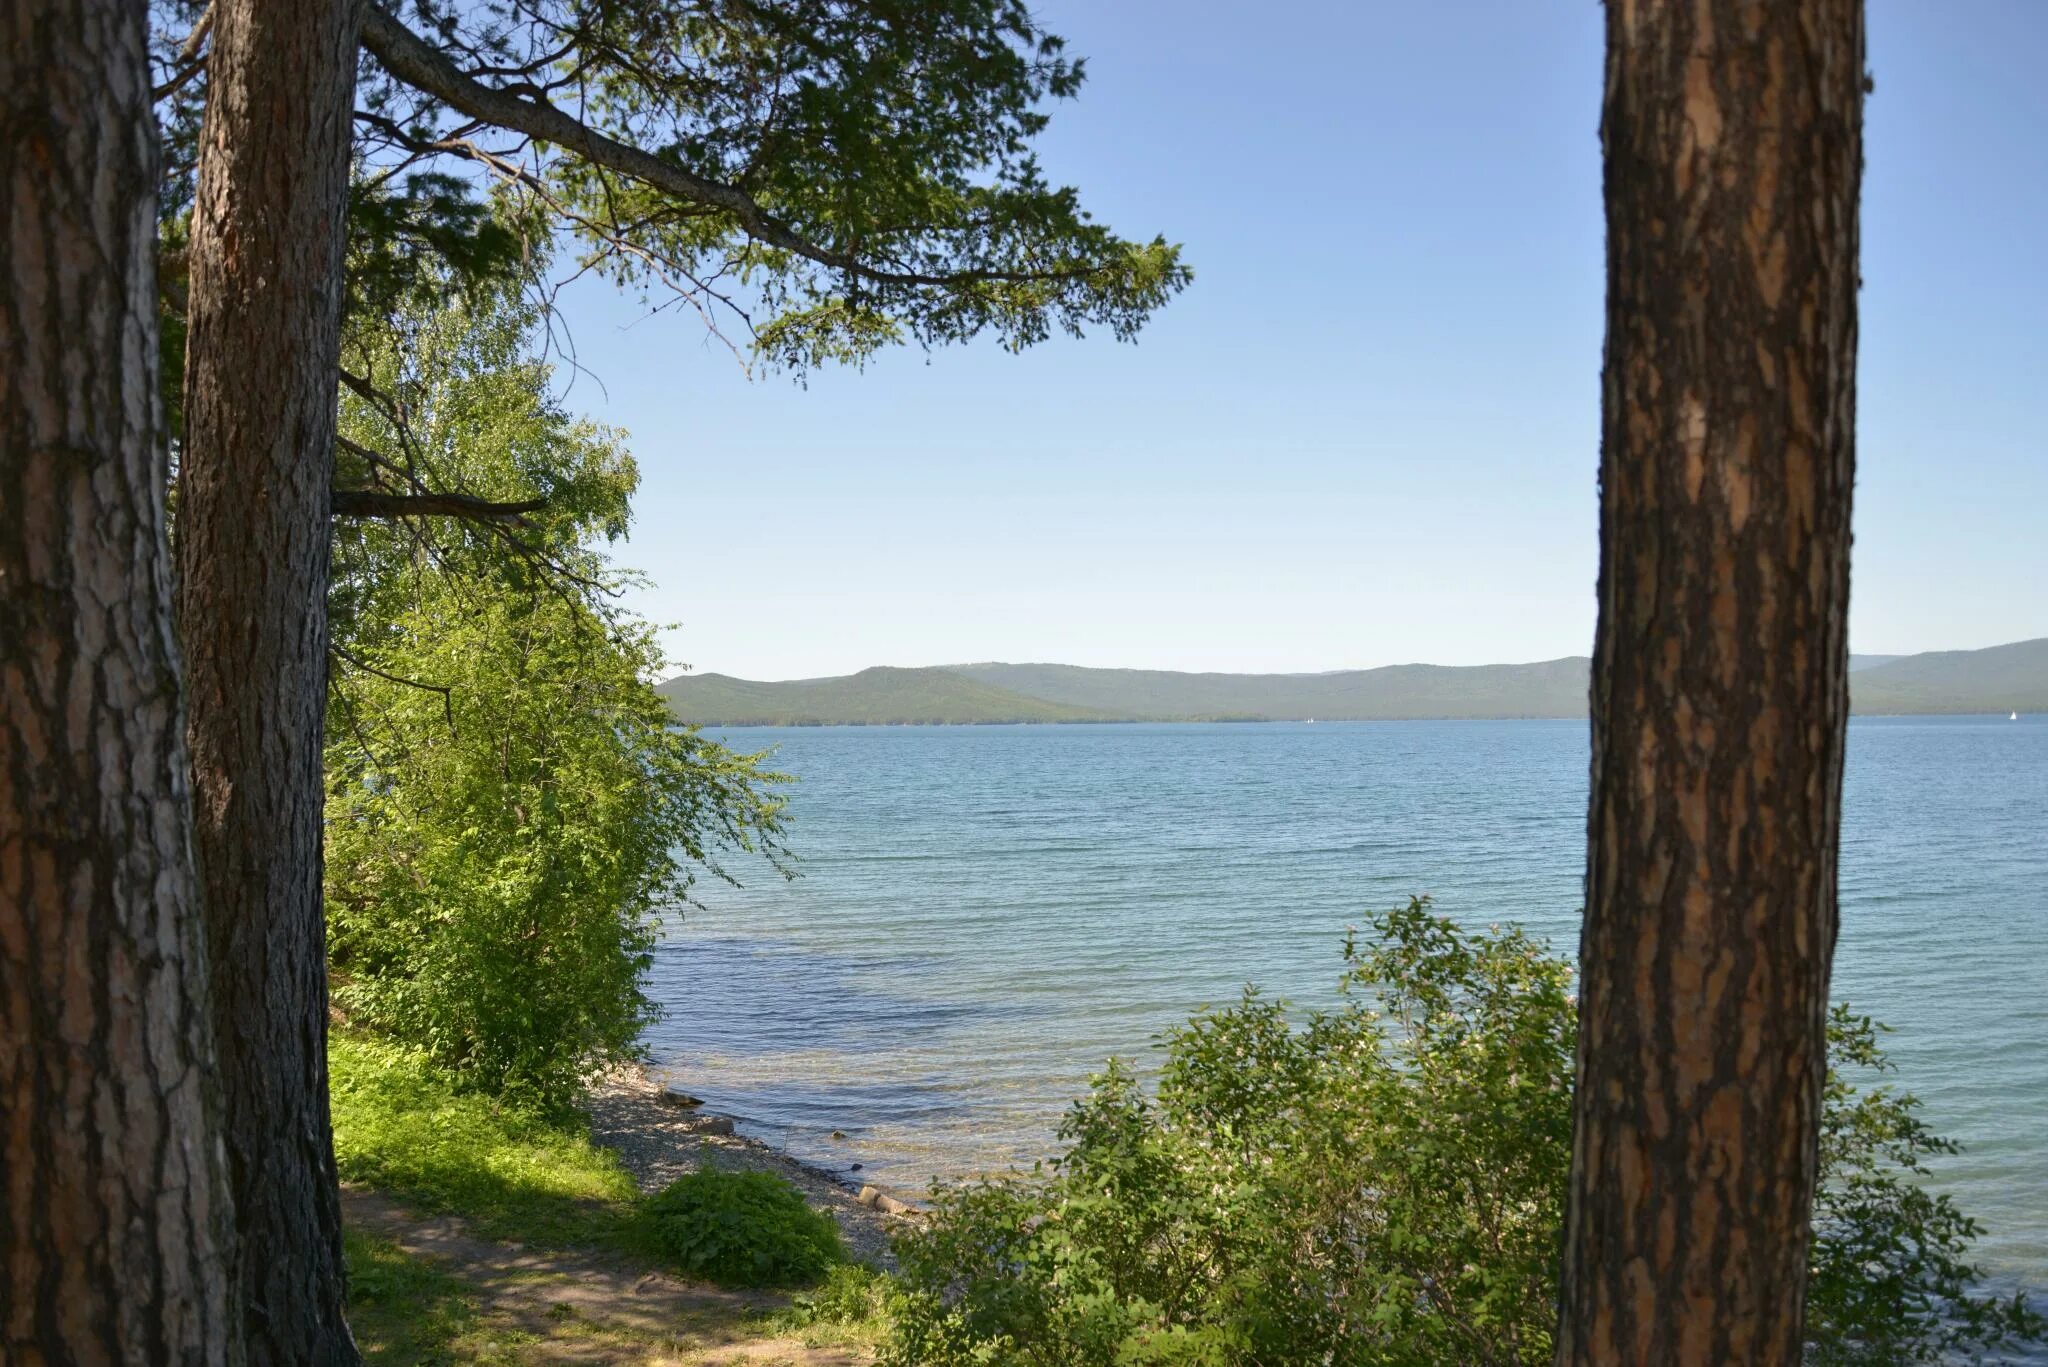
114,1208
256,470
1733,139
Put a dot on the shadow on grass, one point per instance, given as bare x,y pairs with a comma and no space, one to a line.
513,1175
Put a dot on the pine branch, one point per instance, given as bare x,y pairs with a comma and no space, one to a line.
413,60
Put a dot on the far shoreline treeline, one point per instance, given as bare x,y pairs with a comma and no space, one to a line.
1997,679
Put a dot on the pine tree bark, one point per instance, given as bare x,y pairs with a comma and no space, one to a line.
114,1208
256,470
1733,138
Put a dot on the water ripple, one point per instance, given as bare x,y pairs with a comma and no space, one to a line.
987,913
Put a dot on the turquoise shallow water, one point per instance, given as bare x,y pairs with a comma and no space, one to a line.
987,913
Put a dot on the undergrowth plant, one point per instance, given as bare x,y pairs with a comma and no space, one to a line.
742,1228
1384,1184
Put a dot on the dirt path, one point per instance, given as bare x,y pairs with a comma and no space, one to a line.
434,1293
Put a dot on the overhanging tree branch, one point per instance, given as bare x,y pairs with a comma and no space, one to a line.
447,693
619,240
373,503
419,64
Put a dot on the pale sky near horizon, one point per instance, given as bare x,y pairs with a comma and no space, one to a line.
1367,434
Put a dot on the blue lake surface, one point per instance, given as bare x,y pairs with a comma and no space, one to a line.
985,914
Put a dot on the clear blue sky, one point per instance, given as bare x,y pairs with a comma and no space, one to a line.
1367,434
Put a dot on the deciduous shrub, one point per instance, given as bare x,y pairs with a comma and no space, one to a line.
743,1228
1891,1281
1384,1184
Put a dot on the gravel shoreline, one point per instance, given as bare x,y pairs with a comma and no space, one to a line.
659,1142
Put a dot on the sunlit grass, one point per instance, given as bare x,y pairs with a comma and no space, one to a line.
513,1173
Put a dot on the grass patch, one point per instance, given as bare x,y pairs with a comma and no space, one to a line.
850,1307
515,1174
403,1310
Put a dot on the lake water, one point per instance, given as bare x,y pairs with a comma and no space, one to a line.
987,913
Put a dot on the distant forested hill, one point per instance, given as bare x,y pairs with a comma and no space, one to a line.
2010,678
1999,679
880,696
1554,688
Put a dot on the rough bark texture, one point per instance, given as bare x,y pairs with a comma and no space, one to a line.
114,1212
1732,131
256,469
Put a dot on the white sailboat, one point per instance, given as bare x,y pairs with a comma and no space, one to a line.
2014,717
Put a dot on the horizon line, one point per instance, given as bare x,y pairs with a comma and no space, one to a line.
691,671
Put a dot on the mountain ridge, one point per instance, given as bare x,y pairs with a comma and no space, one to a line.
1995,679
882,695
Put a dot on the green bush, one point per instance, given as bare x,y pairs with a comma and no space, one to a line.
1384,1184
1889,1280
743,1229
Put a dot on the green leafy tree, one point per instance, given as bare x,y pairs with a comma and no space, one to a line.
1385,1184
510,804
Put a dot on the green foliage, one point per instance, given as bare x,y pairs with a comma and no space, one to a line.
1890,1281
461,399
852,1296
886,147
510,804
1383,1184
742,1228
403,1126
424,236
853,1307
1378,1186
497,853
